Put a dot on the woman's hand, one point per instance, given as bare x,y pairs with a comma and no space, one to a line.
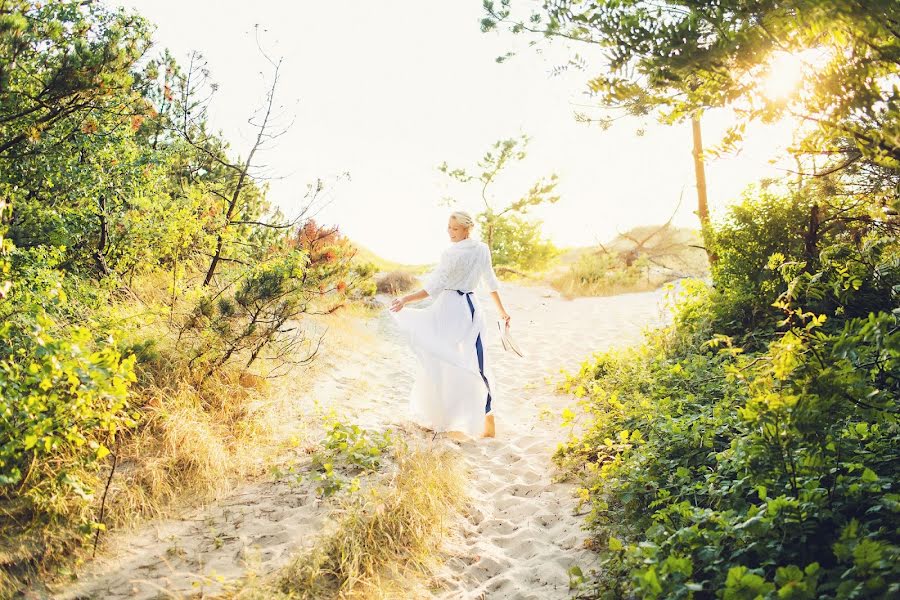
398,304
505,317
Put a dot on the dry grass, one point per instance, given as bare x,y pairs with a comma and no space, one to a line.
573,286
597,274
192,443
382,538
395,282
194,440
665,255
190,440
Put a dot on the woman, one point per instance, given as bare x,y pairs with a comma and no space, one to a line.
454,389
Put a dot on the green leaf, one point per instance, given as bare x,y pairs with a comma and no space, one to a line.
868,476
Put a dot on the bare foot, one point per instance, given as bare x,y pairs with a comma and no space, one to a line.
489,430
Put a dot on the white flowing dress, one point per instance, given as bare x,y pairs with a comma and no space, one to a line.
453,389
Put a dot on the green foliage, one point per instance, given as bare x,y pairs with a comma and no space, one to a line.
64,400
348,451
749,450
517,242
681,57
762,225
137,254
757,470
58,61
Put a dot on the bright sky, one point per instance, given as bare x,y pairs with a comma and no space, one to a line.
388,90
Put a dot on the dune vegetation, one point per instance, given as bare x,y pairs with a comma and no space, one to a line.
148,292
750,448
384,539
641,259
154,301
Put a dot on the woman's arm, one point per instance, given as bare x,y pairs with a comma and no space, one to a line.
434,283
495,295
399,303
493,284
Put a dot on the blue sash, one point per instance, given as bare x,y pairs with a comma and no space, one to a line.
479,350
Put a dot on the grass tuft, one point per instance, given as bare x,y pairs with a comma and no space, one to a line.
382,537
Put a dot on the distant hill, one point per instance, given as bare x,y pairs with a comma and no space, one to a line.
363,254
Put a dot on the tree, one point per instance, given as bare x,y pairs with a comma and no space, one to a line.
501,155
680,58
113,189
517,243
59,60
65,74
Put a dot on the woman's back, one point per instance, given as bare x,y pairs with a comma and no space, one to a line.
463,266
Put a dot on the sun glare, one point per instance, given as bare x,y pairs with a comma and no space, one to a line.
783,76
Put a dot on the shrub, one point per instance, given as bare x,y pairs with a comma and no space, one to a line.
761,225
63,400
395,282
595,274
765,470
151,274
348,451
516,242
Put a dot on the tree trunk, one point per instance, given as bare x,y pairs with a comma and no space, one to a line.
811,239
702,204
100,252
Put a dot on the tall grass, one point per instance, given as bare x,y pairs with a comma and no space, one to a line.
195,437
600,275
382,538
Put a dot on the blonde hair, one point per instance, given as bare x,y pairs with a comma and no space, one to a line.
463,218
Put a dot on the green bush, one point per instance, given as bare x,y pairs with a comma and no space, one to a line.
595,274
347,452
132,242
765,470
64,399
761,225
516,242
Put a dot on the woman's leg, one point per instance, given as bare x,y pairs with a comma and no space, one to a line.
489,430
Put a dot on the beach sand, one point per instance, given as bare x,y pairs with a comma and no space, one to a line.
519,536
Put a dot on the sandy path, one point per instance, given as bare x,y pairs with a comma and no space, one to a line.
520,536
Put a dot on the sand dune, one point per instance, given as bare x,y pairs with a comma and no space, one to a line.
519,537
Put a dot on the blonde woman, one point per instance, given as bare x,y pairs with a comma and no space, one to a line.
454,389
